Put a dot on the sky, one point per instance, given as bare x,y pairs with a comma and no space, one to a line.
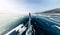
25,6
43,5
11,6
39,5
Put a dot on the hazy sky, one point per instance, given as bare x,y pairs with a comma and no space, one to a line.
42,5
24,6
